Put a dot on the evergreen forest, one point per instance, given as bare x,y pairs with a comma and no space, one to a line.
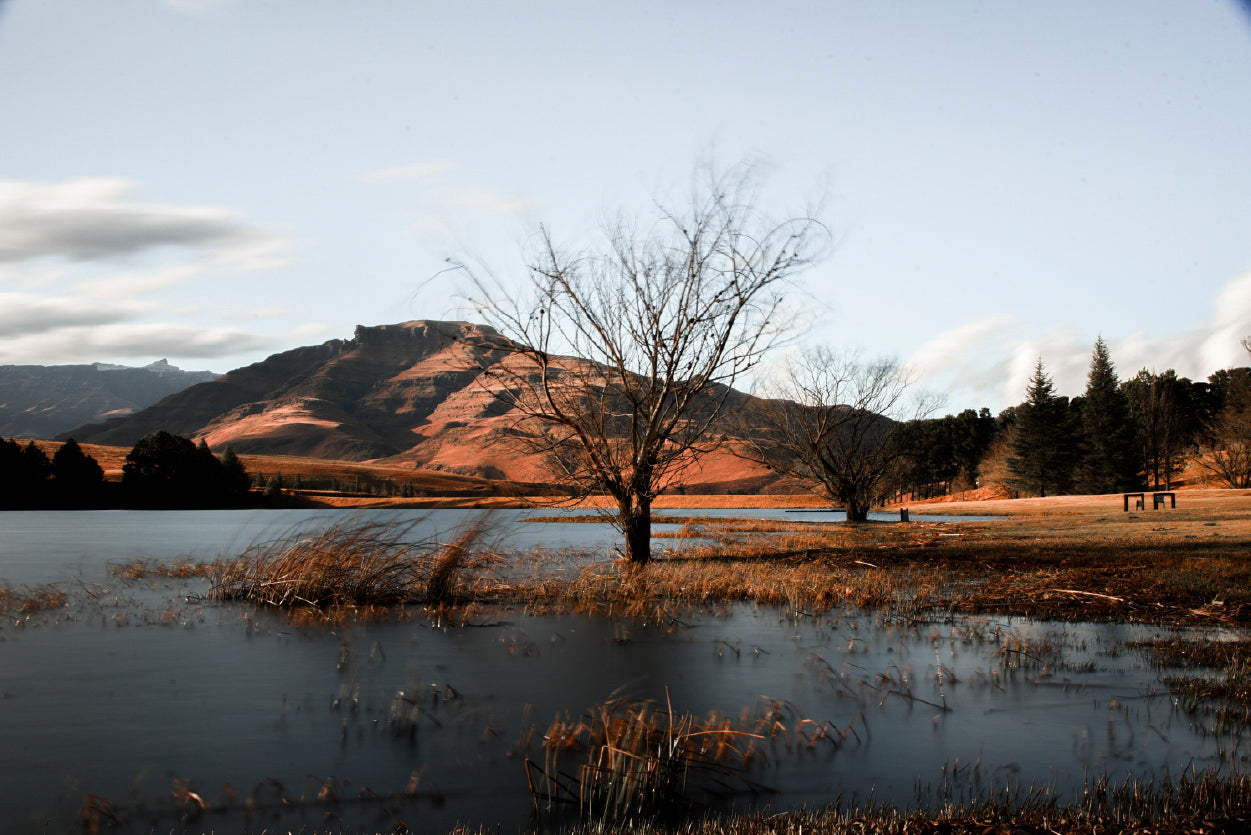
1144,432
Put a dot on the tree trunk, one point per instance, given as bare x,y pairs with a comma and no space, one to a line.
856,507
636,525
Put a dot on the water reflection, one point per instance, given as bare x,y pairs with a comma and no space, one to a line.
140,696
69,546
432,723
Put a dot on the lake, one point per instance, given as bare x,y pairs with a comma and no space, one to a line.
140,692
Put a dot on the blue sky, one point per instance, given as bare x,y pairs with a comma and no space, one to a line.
213,181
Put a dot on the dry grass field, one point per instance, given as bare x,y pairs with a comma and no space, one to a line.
1067,558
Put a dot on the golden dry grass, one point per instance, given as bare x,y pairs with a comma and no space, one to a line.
639,760
1204,499
1071,559
16,603
351,564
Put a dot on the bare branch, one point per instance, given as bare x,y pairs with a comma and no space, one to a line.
836,424
627,351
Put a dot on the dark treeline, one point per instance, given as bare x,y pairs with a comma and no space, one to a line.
1116,436
161,471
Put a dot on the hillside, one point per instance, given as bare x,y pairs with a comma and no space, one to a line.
415,395
43,401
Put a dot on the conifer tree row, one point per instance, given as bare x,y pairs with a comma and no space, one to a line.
1117,436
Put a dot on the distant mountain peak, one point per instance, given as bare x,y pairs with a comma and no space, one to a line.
44,401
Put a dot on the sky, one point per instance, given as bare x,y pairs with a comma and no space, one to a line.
215,181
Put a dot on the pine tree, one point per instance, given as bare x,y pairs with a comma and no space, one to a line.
274,486
24,473
1042,442
236,474
1108,459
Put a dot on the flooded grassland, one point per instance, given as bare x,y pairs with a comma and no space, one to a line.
516,676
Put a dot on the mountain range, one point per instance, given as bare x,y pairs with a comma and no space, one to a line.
43,401
416,394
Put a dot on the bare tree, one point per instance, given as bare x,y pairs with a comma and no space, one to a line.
837,423
994,471
1229,457
625,353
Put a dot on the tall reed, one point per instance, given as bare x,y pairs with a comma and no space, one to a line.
639,760
353,563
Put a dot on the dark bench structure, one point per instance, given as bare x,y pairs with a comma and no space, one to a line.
1157,500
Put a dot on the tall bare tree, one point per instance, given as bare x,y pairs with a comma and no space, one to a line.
838,423
625,352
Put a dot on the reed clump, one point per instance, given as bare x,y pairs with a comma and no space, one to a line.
664,588
1181,652
639,760
1222,695
144,569
27,601
356,563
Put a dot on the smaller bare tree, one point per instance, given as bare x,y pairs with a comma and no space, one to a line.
1229,456
994,471
837,423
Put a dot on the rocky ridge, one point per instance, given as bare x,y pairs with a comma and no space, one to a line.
412,394
43,401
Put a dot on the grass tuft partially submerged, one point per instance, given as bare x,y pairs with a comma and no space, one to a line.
354,563
639,760
27,601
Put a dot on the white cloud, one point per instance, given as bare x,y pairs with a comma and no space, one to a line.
956,349
989,362
1231,323
92,220
23,315
50,330
75,344
137,282
93,274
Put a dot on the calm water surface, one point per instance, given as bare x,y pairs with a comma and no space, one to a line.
136,691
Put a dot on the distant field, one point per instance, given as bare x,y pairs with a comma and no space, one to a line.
1205,498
